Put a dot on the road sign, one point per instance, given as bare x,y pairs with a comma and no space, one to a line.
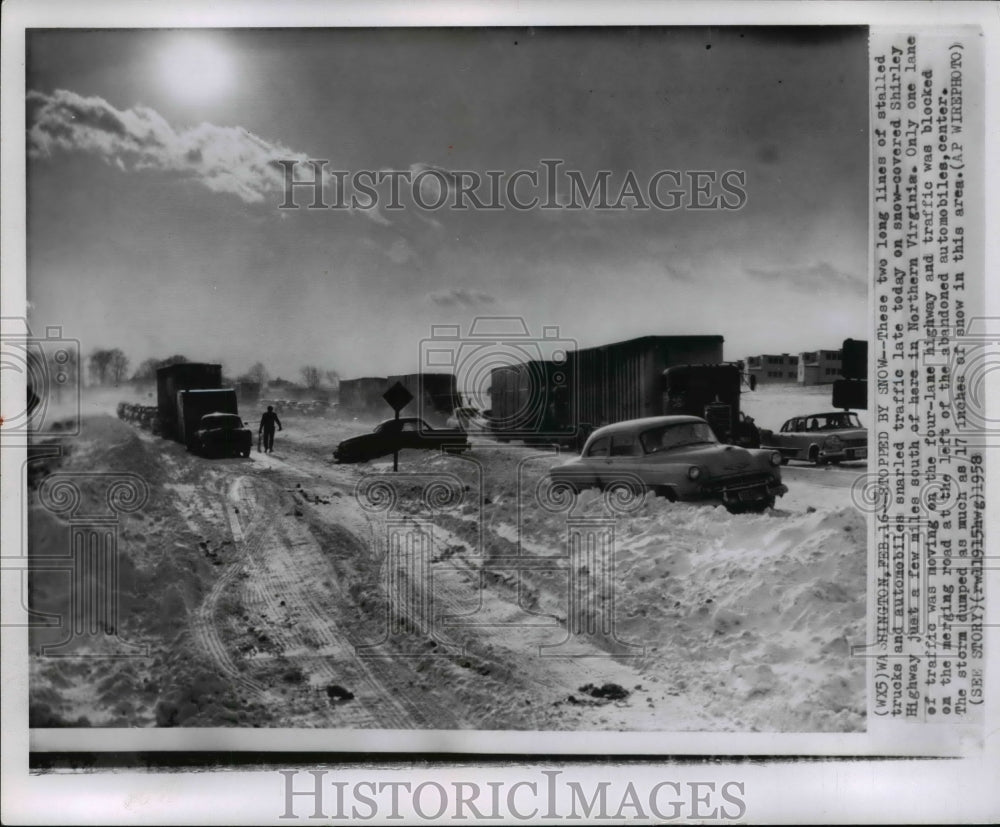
398,397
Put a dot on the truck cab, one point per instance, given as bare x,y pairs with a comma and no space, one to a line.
713,393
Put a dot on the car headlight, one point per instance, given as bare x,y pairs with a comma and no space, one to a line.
694,472
775,458
833,443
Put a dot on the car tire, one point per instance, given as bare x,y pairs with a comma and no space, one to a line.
814,457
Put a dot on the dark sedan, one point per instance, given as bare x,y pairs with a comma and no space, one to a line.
397,434
222,434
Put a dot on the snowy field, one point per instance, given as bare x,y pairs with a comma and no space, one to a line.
264,593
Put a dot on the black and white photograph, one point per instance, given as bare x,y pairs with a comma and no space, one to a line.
611,272
445,388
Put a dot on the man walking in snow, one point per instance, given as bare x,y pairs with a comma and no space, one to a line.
267,423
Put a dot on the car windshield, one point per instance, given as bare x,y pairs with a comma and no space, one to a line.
221,421
667,437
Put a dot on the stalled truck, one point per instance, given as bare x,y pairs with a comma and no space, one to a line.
562,402
185,393
194,404
183,376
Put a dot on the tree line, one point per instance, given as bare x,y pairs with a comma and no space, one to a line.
110,367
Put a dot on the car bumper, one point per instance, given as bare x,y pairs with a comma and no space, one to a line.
747,490
226,446
847,454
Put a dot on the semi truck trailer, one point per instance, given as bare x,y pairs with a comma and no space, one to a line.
170,380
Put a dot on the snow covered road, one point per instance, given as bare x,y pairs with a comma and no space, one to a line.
284,590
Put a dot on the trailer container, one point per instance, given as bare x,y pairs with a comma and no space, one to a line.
435,395
531,401
363,395
564,401
624,380
171,379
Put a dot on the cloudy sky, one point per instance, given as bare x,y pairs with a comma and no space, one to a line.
153,188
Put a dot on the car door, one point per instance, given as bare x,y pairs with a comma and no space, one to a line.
409,436
800,438
623,461
591,463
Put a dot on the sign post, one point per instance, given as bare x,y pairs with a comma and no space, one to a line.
398,398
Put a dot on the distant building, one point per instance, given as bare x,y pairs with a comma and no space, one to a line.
770,367
247,391
364,395
819,367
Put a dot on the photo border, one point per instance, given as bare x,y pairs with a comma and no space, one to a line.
801,785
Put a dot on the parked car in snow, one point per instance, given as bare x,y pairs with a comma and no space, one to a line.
678,457
819,438
222,434
397,434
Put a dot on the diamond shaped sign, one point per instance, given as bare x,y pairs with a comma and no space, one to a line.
398,397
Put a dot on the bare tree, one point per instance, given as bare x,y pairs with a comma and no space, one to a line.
117,366
333,378
146,372
311,375
258,374
97,365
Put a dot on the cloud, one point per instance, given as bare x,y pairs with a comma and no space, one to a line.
225,159
460,298
819,276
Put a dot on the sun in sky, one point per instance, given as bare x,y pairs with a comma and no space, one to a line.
195,68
